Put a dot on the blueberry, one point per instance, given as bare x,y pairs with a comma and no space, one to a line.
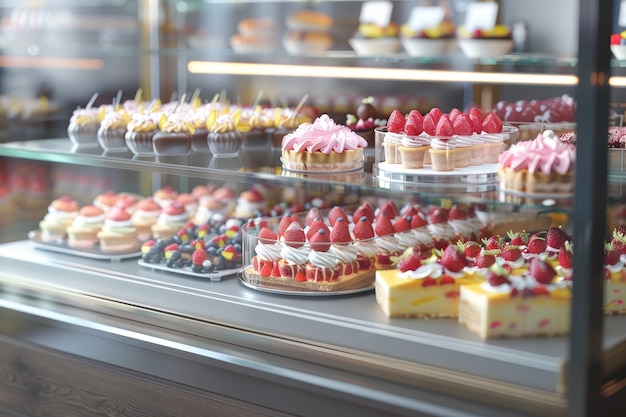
196,268
180,263
211,250
175,255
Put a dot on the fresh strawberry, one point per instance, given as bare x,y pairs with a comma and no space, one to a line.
284,223
320,241
363,229
444,127
566,255
409,264
414,123
438,215
541,271
418,220
364,209
495,279
340,233
486,258
396,122
336,213
518,238
409,211
198,257
556,237
313,213
267,236
476,117
457,212
266,269
436,114
511,253
494,242
462,125
294,236
429,124
389,208
618,239
472,249
453,258
492,123
611,256
402,224
383,226
318,224
536,245
454,113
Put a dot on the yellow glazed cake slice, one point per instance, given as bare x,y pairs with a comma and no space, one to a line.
429,289
536,304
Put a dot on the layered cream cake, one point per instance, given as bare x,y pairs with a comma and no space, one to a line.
534,304
424,289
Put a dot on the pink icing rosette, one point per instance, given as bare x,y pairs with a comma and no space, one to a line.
546,154
323,135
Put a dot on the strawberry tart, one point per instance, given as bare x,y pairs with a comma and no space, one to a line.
543,165
323,146
323,255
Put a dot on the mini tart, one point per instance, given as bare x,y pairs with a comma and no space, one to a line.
118,233
172,219
318,161
535,183
84,231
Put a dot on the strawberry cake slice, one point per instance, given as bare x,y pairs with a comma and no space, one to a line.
423,288
536,303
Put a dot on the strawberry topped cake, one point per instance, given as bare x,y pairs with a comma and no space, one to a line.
444,141
319,255
323,146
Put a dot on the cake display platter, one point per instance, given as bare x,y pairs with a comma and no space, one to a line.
93,252
251,279
212,276
482,177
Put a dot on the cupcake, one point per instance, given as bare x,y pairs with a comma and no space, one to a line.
286,121
174,136
189,201
224,138
412,150
146,215
105,200
140,131
112,131
83,233
83,127
200,133
118,233
256,126
164,196
61,215
172,219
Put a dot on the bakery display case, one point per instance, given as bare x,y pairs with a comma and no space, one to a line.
128,330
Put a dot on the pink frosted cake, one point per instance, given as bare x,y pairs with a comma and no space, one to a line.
323,146
543,165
